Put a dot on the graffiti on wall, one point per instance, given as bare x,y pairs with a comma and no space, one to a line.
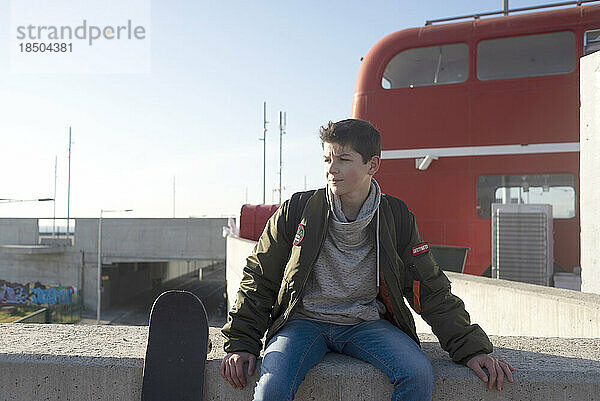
36,294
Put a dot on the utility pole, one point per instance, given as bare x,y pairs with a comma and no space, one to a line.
54,215
69,185
99,270
505,6
282,125
264,139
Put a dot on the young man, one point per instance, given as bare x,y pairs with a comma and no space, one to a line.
338,283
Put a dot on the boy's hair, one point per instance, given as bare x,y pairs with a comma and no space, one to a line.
362,137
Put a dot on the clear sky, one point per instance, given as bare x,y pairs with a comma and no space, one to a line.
197,115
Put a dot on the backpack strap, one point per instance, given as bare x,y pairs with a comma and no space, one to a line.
401,220
297,203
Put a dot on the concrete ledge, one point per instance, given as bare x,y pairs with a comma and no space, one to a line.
32,249
60,362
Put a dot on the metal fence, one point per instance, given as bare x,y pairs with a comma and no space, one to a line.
58,313
64,313
38,316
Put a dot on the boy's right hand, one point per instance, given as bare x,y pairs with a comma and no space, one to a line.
232,368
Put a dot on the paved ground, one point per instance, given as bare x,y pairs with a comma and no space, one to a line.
210,290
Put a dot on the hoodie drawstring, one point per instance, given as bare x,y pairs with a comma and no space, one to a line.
377,241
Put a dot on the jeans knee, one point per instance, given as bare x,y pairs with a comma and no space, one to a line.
272,387
415,378
425,373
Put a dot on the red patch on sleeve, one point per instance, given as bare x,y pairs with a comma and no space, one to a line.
299,235
420,249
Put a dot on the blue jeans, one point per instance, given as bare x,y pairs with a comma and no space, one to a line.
301,344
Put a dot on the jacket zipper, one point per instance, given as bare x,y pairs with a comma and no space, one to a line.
387,257
389,292
404,318
312,265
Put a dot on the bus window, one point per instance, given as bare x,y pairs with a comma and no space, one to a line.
557,190
423,66
591,42
526,56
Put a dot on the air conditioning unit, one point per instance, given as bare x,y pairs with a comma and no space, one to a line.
522,243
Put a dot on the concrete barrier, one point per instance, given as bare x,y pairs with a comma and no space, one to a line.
60,362
238,250
501,307
19,231
589,180
509,308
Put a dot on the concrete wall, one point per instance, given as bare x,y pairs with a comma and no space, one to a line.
238,250
153,239
76,362
23,261
508,308
19,231
54,269
589,166
500,307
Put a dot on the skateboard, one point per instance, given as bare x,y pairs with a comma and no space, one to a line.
177,346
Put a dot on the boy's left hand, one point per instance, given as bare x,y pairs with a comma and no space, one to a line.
496,368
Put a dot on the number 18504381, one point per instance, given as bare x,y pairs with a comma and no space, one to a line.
35,47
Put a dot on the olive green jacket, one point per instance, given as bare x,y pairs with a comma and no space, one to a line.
277,271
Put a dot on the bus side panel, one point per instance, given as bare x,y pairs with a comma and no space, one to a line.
539,110
414,118
444,201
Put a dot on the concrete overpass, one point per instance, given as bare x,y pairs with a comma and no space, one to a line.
137,255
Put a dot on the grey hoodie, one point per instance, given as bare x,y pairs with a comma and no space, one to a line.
343,285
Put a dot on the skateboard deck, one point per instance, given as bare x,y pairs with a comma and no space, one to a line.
177,348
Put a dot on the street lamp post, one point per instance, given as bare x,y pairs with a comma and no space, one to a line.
99,286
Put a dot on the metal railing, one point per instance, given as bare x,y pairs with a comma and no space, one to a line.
506,12
49,226
65,313
58,313
39,316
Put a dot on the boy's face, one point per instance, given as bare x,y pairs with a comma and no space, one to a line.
345,171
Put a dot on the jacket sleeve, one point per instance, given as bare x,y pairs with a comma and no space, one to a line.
427,290
248,319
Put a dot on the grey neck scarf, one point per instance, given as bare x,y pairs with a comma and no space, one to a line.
353,234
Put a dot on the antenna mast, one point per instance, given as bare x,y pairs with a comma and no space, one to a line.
282,125
264,139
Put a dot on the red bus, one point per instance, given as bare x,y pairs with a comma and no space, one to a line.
479,111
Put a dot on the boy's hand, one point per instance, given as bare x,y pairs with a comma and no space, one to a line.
496,368
232,368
